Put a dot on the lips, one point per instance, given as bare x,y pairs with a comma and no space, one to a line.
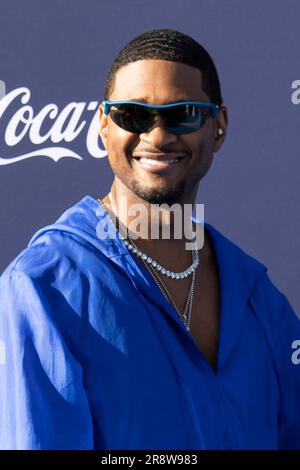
159,156
158,163
155,161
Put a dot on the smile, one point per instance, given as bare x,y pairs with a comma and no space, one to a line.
158,163
153,161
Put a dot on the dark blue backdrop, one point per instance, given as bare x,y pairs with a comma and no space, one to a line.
59,52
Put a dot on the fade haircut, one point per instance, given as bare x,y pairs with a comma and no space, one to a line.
168,44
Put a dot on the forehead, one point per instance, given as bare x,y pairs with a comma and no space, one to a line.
158,82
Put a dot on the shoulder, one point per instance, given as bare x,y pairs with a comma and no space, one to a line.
60,245
233,260
51,251
250,274
272,306
42,288
240,255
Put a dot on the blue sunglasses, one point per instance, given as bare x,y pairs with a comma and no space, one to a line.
182,117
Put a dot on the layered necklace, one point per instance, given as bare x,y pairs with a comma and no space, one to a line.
156,269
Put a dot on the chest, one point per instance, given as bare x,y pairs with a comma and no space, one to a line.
205,322
205,315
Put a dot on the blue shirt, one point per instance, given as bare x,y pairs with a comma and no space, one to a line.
92,355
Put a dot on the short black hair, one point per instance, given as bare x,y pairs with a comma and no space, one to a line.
172,45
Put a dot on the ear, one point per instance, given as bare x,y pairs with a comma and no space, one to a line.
220,128
103,129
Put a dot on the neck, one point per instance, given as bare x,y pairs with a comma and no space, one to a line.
159,231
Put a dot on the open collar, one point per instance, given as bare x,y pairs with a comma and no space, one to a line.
237,270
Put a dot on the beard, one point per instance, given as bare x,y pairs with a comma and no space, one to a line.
170,194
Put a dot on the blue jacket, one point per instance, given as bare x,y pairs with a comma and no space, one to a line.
92,355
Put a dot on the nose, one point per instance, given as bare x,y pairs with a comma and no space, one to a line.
158,136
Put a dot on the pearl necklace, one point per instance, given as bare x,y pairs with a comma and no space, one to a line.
154,264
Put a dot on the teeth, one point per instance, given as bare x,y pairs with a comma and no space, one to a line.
152,161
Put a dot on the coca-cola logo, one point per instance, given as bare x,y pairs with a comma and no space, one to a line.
62,126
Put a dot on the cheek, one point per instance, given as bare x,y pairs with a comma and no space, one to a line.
119,143
202,154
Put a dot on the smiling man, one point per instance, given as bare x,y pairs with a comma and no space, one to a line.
131,342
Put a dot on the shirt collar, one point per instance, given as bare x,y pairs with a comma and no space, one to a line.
238,273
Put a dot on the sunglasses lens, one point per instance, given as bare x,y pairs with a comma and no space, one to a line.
184,119
181,119
132,118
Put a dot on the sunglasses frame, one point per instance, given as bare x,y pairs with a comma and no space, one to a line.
214,108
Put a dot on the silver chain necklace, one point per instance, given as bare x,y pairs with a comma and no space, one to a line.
152,265
187,315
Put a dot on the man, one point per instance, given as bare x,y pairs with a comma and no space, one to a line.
140,343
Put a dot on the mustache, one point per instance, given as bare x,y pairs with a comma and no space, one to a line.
155,151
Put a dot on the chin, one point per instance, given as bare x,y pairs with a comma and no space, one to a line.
166,195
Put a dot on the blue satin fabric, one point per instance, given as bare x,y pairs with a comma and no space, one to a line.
94,357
